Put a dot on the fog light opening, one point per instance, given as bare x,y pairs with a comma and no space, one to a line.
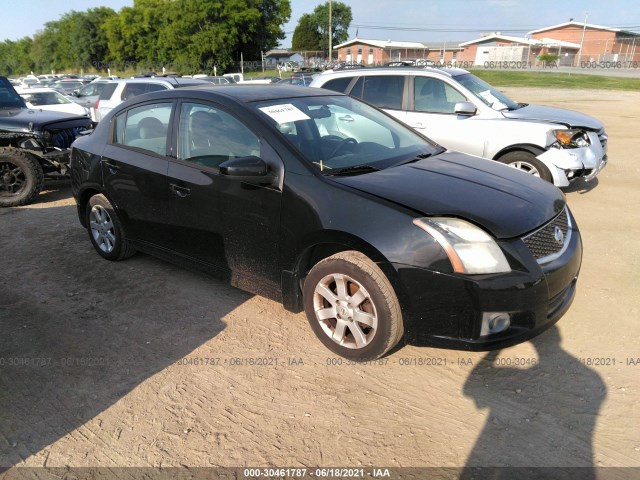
494,322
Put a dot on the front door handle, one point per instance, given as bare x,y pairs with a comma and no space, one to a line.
346,118
180,191
418,126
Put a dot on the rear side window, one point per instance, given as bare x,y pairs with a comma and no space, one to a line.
144,127
384,91
133,89
338,84
107,91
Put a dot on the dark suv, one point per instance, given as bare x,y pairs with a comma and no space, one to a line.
33,143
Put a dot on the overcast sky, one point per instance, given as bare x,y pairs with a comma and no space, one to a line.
408,20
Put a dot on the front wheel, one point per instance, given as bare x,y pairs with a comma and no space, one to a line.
105,230
21,177
352,307
528,163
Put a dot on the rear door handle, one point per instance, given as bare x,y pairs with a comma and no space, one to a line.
418,126
180,191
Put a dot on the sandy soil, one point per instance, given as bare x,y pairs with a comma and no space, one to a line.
141,363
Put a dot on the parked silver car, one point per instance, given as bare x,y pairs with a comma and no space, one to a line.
462,112
88,95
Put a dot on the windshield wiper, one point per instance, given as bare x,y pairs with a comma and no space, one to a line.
357,169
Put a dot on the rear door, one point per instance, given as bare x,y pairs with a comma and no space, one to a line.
134,170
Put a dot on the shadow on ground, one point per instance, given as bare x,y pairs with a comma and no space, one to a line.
79,332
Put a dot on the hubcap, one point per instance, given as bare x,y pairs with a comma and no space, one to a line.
526,167
12,178
345,311
102,230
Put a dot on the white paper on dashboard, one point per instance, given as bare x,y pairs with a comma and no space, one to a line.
285,113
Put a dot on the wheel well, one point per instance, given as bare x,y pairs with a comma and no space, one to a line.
310,256
82,203
315,253
534,149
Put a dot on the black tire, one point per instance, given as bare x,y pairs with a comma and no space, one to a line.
105,230
342,325
21,177
528,163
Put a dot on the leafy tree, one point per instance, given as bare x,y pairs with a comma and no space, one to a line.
133,35
265,33
306,36
341,18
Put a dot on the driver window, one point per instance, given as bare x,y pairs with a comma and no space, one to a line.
435,96
209,136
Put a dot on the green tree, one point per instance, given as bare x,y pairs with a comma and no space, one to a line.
132,35
306,36
341,18
264,32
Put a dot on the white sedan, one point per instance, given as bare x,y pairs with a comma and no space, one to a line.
50,99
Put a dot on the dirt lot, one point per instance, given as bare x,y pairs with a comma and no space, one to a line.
141,363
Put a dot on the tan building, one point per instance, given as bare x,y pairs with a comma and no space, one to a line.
379,52
518,51
599,44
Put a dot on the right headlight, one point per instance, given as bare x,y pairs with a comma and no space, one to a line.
571,138
470,249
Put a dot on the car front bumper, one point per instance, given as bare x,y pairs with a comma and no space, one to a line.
447,310
568,164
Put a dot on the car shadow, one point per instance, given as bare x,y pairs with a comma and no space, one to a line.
581,186
55,189
541,415
79,333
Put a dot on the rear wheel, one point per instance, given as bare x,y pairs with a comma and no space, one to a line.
105,230
528,163
352,307
21,177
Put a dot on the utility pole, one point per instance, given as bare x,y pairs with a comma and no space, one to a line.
330,36
584,27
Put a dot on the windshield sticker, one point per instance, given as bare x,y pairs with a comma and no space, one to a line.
285,113
493,101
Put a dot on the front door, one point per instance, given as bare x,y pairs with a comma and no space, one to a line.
432,113
219,220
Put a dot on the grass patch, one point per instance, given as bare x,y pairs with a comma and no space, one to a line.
501,78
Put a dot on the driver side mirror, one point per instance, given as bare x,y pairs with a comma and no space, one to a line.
465,108
248,169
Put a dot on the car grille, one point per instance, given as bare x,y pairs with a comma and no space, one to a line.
64,137
550,241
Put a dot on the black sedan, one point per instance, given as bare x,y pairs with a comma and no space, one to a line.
327,204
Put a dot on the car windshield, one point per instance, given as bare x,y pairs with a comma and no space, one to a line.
45,98
486,93
340,134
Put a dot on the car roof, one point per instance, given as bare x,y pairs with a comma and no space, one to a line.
351,72
164,80
245,93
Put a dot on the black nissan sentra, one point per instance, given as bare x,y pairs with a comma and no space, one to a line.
326,204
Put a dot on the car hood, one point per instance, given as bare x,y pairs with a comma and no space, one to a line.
503,200
19,119
554,115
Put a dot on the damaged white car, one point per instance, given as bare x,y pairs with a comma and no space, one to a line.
462,112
